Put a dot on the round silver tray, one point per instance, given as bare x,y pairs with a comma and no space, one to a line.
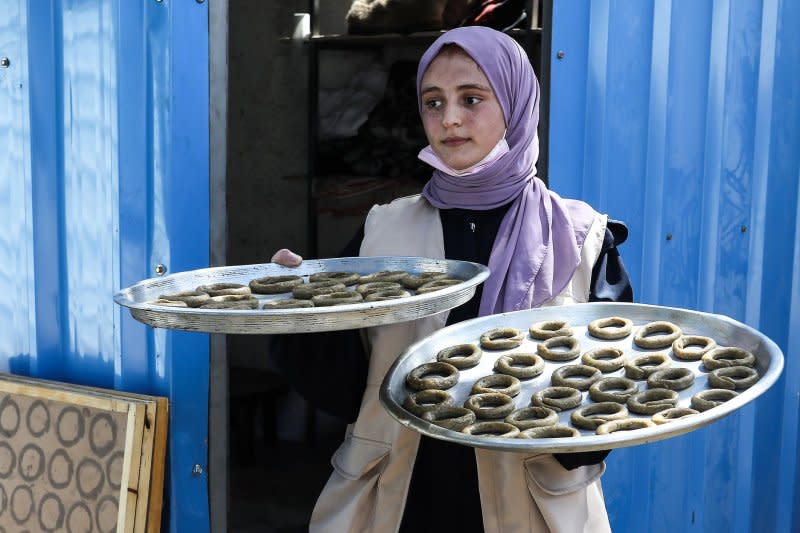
726,331
261,321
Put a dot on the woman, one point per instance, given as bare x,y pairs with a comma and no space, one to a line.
479,103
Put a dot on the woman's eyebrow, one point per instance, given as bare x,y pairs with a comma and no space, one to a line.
463,87
473,86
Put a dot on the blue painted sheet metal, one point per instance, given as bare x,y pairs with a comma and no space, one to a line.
104,174
681,118
16,276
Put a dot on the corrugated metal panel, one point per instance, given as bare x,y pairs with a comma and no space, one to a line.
104,128
681,118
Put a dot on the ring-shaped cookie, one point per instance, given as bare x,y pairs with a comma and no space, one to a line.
501,338
450,417
725,357
733,378
710,398
415,281
493,429
307,290
390,294
613,389
343,297
221,289
627,424
227,298
503,383
436,375
594,414
274,284
610,328
345,278
677,378
437,285
287,303
557,398
490,405
460,356
549,329
190,298
240,305
681,347
651,401
384,275
241,302
673,413
549,432
656,335
578,377
533,417
520,365
604,358
642,366
422,401
365,289
546,348
169,303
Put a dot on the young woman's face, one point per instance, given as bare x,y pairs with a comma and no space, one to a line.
461,115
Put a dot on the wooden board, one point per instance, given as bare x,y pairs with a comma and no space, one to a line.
80,458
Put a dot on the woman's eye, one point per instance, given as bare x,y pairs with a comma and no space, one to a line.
433,104
472,100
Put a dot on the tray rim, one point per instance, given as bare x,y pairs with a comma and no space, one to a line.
590,442
122,297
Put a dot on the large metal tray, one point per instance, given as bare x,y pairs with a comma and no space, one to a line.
258,321
726,331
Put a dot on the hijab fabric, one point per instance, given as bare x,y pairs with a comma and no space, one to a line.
538,244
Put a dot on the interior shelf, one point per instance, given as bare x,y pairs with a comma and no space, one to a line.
424,37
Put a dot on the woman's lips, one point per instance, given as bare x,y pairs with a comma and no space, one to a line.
454,141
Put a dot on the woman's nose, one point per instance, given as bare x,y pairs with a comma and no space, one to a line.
451,116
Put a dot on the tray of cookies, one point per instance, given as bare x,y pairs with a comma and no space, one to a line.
318,295
579,377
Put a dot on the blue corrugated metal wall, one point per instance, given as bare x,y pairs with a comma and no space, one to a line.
681,118
103,175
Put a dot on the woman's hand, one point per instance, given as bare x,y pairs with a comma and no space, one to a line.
287,258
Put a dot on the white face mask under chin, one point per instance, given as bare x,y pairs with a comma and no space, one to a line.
429,156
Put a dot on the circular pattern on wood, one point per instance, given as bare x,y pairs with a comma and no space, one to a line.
51,512
79,519
9,417
70,426
106,514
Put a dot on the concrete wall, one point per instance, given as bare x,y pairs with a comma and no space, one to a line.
267,128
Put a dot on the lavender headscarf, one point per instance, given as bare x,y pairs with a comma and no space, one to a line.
537,247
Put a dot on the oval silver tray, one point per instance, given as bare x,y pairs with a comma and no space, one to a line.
726,331
305,320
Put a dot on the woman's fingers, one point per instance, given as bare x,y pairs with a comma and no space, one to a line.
287,258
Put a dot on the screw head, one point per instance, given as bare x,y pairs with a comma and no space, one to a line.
5,62
669,236
160,269
197,470
560,54
744,229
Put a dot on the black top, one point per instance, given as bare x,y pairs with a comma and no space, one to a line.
444,482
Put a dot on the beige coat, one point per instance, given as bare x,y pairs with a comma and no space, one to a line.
372,468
